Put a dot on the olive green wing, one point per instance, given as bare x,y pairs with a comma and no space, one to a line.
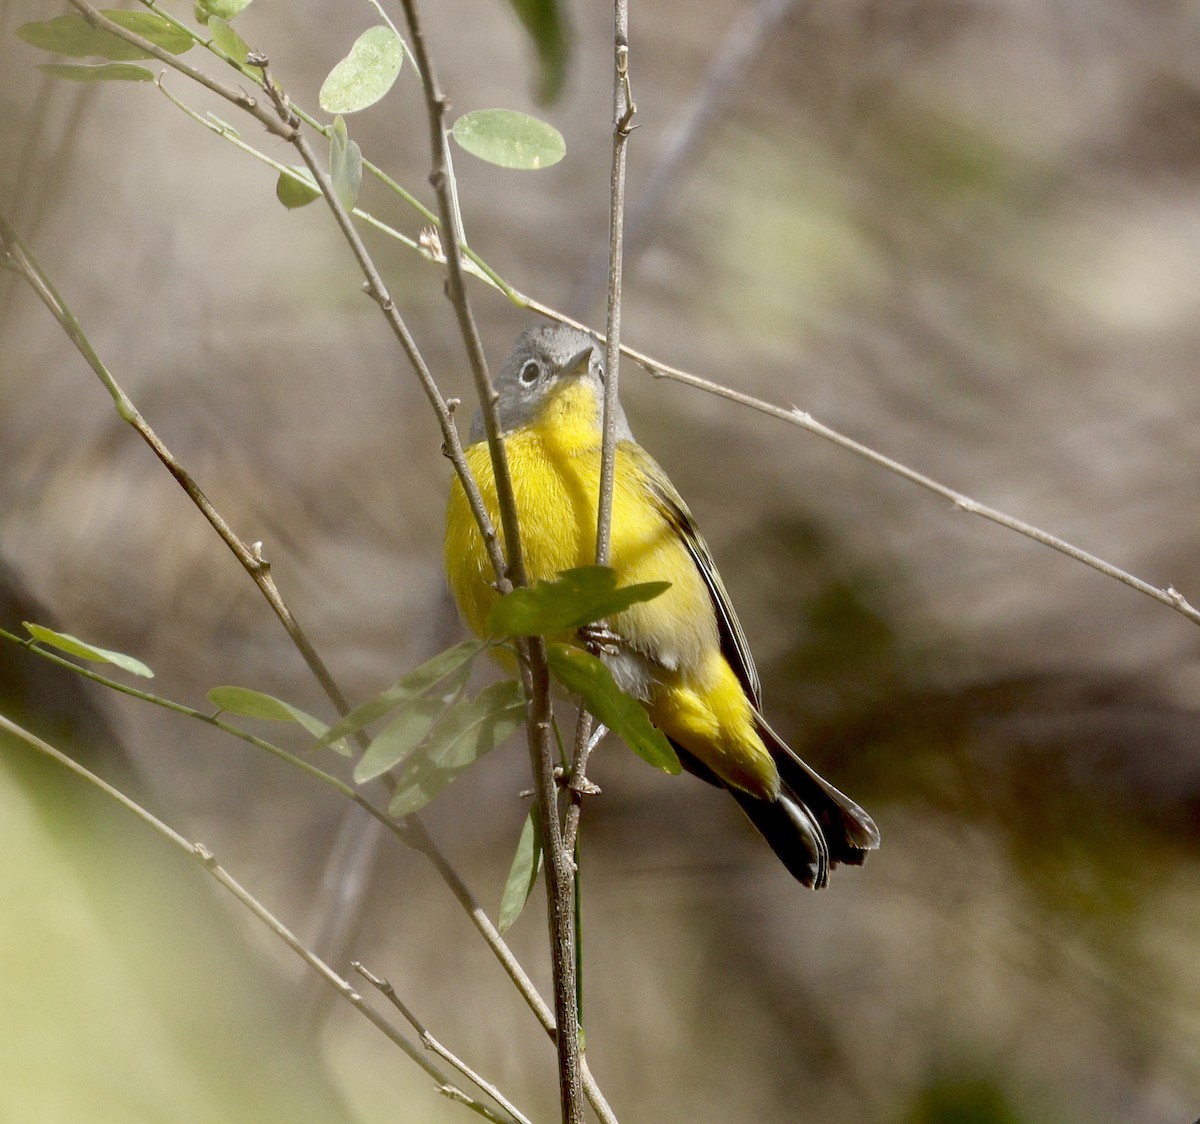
672,508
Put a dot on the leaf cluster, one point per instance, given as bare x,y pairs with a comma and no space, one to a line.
360,79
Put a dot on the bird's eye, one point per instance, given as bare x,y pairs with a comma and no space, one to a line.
530,372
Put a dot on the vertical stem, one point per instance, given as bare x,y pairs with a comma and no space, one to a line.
534,672
623,111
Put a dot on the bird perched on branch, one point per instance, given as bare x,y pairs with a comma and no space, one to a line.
682,654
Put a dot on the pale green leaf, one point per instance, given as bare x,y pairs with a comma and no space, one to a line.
248,703
412,685
104,72
397,740
575,598
73,36
72,645
509,138
345,165
295,192
468,731
228,41
365,74
523,874
584,675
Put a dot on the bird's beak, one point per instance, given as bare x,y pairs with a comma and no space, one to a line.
578,364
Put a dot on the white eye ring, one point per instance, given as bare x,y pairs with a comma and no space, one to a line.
529,372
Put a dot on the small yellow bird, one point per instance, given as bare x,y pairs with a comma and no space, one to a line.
682,654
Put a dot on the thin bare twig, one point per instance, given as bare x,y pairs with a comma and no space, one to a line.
385,988
208,861
743,43
249,555
1168,596
624,109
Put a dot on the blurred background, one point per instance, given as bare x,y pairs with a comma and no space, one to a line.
965,234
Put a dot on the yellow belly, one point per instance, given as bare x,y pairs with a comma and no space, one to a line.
692,693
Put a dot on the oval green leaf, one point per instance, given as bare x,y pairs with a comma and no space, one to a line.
584,675
73,36
509,139
365,74
72,645
298,189
575,598
228,41
104,72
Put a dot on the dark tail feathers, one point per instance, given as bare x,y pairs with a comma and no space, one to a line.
812,826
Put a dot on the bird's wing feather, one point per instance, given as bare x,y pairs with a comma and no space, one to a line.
733,640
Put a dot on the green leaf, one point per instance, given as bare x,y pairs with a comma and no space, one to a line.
365,74
345,165
523,874
104,72
466,733
224,9
547,26
583,674
577,597
399,738
411,686
293,192
72,645
509,138
227,40
248,703
73,36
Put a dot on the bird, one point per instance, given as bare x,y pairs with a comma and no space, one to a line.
682,655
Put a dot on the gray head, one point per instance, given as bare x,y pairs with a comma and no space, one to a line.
541,360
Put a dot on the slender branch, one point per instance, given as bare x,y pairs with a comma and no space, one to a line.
412,830
208,861
249,555
378,291
435,100
624,109
742,44
385,988
1168,596
263,114
535,674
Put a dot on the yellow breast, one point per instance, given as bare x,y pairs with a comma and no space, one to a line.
690,690
555,467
